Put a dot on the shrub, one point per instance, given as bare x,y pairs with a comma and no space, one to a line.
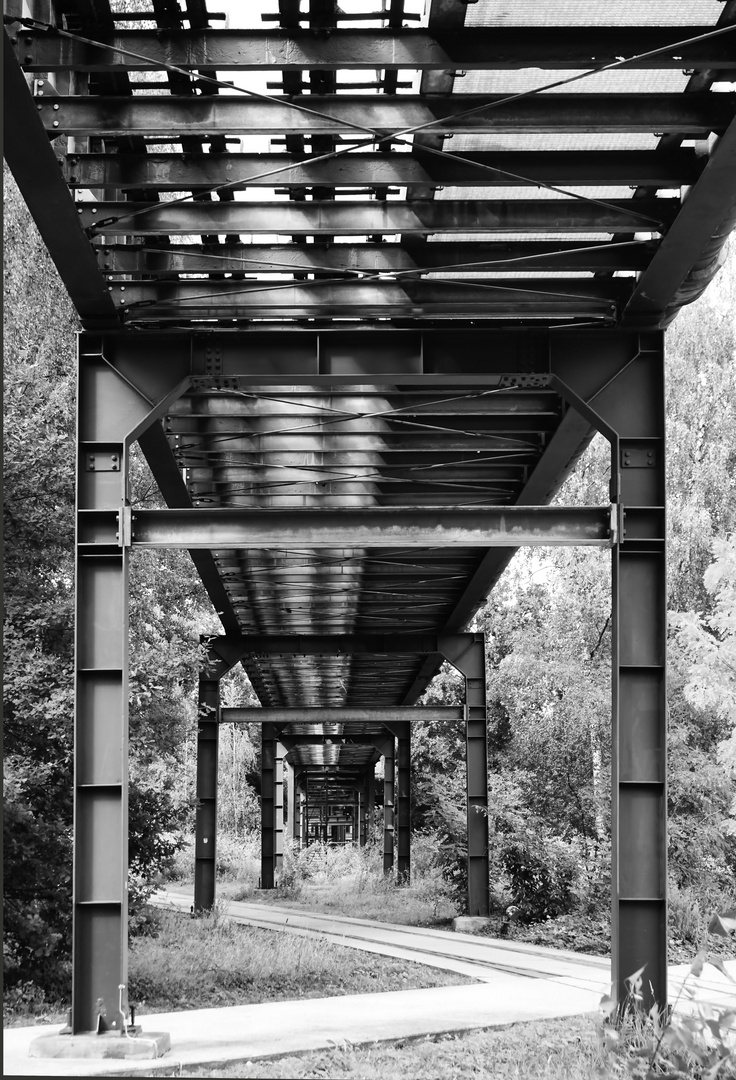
542,874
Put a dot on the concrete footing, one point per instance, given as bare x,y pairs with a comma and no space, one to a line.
109,1044
470,924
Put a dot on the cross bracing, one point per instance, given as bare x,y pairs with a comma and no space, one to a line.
363,289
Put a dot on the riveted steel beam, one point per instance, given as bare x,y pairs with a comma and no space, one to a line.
176,172
461,256
359,527
537,298
34,165
88,116
353,714
170,116
355,217
474,48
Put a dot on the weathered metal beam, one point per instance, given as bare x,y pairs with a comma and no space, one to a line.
89,116
364,527
372,258
688,256
346,714
425,298
33,163
177,172
474,48
354,217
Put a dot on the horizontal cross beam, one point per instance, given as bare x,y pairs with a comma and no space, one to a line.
177,172
374,258
509,526
88,116
471,49
355,714
538,297
355,217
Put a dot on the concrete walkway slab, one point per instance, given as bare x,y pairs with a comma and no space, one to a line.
273,1029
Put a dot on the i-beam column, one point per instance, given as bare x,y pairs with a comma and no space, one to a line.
113,410
205,842
272,806
403,801
631,403
100,916
388,804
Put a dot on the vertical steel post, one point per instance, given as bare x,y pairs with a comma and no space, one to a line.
631,402
362,817
466,652
370,803
205,836
388,805
403,801
278,811
291,815
639,759
100,906
268,806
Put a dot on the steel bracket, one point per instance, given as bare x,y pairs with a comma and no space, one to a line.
105,461
125,527
637,457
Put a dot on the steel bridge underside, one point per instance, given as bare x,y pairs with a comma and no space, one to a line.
363,292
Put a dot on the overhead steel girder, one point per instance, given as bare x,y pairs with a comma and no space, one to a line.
175,172
354,217
470,49
349,714
360,527
36,170
688,256
372,258
539,298
96,116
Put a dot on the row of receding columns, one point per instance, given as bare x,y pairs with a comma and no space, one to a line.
394,746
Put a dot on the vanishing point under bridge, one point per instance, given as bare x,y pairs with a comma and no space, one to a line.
363,280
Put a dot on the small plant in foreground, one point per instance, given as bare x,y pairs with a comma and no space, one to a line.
674,1046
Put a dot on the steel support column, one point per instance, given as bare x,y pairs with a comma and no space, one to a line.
466,652
632,404
388,804
100,926
272,786
403,802
205,844
113,410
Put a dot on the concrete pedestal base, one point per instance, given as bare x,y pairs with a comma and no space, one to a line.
470,924
110,1044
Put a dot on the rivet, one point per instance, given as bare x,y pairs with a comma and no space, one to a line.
122,288
39,93
94,209
56,123
122,300
56,107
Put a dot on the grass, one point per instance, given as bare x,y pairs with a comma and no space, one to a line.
344,881
211,962
569,1049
